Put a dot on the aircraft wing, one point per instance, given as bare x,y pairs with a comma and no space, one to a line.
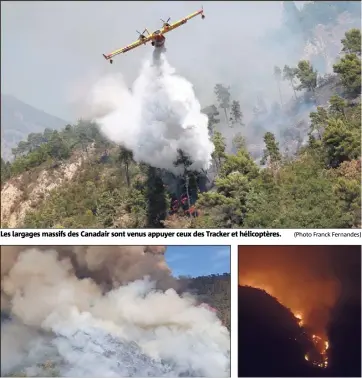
127,48
182,21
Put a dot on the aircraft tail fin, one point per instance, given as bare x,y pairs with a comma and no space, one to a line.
108,57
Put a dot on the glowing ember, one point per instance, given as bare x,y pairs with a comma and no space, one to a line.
320,358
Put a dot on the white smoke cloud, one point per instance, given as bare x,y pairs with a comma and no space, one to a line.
131,330
159,116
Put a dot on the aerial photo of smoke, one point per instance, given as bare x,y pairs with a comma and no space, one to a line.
104,311
300,311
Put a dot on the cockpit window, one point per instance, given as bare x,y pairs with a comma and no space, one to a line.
157,32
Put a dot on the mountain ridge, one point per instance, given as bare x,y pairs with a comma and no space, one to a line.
19,119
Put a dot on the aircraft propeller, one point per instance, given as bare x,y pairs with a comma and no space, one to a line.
166,22
142,35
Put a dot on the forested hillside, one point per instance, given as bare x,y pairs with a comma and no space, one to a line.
215,290
295,164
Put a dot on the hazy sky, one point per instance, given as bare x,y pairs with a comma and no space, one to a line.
50,49
198,260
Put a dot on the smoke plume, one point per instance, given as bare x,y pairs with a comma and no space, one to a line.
76,311
158,117
301,279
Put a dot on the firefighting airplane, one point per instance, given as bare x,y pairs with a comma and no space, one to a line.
157,38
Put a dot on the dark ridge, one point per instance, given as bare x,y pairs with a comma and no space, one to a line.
271,343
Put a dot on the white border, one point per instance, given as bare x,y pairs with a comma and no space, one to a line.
233,261
234,279
198,237
181,236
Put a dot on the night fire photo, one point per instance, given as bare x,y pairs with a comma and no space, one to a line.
299,311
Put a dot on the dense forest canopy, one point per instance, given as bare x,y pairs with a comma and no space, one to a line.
215,290
307,174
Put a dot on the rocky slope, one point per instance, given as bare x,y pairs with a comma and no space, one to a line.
31,188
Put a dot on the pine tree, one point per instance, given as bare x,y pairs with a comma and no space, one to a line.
236,114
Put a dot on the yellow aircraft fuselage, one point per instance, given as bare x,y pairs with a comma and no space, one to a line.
157,38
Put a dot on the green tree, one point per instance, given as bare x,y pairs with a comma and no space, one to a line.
47,134
230,208
289,74
349,70
24,148
302,197
352,42
125,157
156,199
271,153
307,76
341,142
213,119
58,148
239,142
223,97
35,140
184,161
318,121
236,113
5,171
241,162
337,107
226,207
347,179
84,140
219,152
